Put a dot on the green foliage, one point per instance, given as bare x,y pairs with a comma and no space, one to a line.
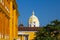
49,32
54,24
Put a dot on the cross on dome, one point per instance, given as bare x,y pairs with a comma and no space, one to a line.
33,12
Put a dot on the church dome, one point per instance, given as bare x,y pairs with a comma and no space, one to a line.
33,21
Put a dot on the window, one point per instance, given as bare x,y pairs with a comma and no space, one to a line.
26,37
34,24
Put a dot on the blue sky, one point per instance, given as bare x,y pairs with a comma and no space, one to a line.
45,10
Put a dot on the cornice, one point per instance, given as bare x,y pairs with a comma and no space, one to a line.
16,7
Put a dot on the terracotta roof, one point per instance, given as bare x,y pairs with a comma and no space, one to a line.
28,28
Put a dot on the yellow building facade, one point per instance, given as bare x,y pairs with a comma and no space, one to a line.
27,33
8,20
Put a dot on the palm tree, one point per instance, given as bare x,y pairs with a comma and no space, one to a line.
55,25
55,22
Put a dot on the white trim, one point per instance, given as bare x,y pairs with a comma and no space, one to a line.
23,32
27,31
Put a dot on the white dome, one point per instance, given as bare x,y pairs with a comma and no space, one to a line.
33,21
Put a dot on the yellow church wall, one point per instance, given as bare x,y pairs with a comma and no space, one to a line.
20,37
14,24
31,35
0,22
14,27
3,24
8,20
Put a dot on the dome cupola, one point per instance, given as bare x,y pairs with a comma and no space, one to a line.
33,21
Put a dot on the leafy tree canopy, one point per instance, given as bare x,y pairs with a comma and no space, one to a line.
49,32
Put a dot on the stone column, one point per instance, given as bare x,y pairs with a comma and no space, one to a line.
10,21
